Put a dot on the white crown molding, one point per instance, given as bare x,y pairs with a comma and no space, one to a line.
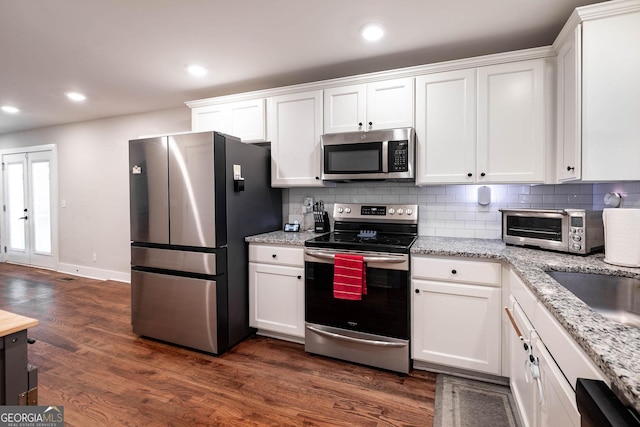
608,8
594,11
478,61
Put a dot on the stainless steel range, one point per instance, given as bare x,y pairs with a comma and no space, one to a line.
373,329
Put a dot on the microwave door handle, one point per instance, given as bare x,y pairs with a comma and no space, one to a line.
385,156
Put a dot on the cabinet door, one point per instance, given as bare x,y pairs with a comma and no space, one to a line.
390,104
345,108
511,134
557,404
296,126
522,386
211,117
611,98
244,119
276,298
569,160
457,325
248,120
446,127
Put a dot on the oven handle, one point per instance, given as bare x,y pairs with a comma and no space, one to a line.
380,259
356,340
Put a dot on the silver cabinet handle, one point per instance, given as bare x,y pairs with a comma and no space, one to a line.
356,340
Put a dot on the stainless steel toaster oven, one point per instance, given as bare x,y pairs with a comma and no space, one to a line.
577,231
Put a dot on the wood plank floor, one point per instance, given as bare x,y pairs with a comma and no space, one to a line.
91,363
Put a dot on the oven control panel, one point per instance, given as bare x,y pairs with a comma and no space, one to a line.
375,212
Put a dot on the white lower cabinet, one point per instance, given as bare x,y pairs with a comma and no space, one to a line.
549,399
546,401
276,291
557,404
456,313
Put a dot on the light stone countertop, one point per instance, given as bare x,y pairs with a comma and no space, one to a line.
283,238
613,347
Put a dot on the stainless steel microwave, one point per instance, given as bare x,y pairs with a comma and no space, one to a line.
575,231
378,154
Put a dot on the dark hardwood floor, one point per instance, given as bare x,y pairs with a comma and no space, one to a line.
91,363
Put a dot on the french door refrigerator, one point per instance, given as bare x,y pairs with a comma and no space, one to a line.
194,198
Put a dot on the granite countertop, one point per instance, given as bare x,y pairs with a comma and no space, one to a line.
611,346
282,238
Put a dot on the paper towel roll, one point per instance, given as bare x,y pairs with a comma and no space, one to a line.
622,237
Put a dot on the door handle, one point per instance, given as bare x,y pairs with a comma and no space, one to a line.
24,217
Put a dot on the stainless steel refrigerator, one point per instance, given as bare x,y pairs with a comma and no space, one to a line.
194,198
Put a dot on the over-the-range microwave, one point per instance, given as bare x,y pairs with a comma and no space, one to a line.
372,155
576,231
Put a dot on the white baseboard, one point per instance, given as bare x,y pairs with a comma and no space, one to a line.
94,273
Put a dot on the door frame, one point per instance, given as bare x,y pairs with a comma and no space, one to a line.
54,199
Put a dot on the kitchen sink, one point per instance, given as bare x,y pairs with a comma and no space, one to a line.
614,297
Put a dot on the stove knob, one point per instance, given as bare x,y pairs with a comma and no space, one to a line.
340,210
409,211
347,210
391,211
400,211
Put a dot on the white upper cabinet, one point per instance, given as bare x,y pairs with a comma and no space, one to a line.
599,93
244,119
569,125
483,125
611,98
295,121
511,125
385,104
446,127
345,109
210,117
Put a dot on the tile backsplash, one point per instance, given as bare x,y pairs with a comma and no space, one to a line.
453,210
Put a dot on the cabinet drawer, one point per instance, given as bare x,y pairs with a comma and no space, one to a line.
522,294
284,255
568,355
457,270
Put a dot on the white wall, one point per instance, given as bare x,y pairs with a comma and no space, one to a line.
93,180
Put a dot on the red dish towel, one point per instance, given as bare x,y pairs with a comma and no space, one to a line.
349,277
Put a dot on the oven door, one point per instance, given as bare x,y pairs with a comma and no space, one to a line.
384,310
373,331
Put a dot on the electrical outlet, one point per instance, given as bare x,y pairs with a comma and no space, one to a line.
94,257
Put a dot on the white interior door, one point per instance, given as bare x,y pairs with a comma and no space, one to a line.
27,209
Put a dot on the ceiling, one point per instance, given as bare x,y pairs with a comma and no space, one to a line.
131,56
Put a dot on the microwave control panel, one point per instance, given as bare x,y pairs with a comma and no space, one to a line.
398,156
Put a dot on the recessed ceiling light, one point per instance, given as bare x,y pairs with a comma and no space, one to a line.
372,32
76,96
9,109
197,70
